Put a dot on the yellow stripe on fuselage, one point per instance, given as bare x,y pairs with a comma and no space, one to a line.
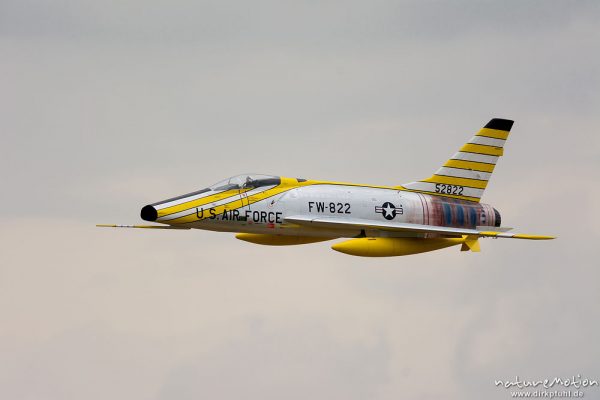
193,217
235,204
199,202
493,133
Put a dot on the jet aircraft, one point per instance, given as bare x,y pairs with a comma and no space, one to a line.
376,221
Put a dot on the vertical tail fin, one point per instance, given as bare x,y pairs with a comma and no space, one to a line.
466,175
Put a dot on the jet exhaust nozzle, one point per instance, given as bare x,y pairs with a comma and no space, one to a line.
149,213
497,218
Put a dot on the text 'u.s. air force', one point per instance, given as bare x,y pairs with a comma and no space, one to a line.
266,217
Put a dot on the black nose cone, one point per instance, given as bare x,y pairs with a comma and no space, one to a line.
149,213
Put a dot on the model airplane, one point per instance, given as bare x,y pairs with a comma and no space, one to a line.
430,214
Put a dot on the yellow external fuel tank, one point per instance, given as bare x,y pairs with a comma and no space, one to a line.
388,247
278,240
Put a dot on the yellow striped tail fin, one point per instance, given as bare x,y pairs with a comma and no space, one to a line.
465,176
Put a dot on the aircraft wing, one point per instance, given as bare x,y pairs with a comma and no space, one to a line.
140,226
341,223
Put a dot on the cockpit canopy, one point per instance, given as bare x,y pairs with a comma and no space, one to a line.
246,181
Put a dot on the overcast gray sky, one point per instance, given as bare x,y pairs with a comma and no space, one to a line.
108,105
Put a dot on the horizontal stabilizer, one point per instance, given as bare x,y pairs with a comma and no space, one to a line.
496,228
515,235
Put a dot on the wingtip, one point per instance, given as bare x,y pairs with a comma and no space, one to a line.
533,237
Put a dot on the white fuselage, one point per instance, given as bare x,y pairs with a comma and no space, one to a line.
268,216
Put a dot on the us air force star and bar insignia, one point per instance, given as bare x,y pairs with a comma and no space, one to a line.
389,210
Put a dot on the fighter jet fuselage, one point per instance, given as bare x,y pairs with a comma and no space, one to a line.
437,212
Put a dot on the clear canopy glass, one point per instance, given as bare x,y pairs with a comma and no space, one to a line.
246,181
